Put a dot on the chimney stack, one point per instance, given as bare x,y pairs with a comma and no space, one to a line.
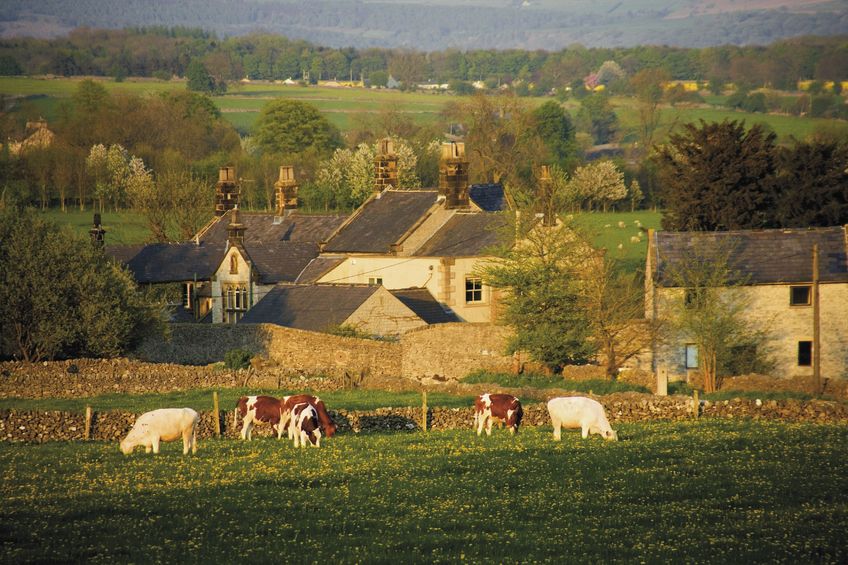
285,191
546,196
385,166
226,191
97,232
453,175
235,230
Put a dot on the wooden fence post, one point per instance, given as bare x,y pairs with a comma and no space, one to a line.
424,410
215,413
87,431
696,404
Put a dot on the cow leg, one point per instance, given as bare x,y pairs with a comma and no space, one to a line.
489,421
317,438
245,428
285,417
557,429
481,421
186,441
194,440
155,442
304,437
584,431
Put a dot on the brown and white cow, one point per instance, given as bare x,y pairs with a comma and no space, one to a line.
260,409
304,425
289,402
504,407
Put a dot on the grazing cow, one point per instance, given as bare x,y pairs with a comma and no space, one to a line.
580,412
304,422
259,409
504,407
289,402
165,424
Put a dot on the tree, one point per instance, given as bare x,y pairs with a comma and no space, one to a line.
61,296
501,142
556,130
813,184
635,194
540,277
648,86
717,176
597,118
599,182
291,126
712,309
199,79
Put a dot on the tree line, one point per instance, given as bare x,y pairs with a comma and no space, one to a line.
167,52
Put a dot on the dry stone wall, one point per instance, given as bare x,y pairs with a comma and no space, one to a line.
40,426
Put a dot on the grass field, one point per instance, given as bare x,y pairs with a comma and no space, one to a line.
242,104
121,227
711,491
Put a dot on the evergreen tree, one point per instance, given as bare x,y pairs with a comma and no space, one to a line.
199,79
813,184
717,176
555,128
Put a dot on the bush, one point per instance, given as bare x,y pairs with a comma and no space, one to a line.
236,359
536,380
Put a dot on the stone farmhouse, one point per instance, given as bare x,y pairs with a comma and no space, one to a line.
416,248
804,312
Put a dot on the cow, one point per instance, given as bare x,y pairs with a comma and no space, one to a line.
304,425
165,424
259,409
580,412
504,407
327,425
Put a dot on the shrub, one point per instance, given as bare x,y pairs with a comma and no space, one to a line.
236,359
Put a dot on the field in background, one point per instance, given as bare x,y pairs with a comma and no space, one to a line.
241,105
717,491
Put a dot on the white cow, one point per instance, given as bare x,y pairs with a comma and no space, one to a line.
580,412
165,424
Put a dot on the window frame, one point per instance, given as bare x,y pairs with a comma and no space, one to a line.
793,302
693,349
474,290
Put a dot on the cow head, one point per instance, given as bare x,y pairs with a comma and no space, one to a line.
610,435
516,413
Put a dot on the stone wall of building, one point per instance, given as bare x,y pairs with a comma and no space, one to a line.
451,351
40,426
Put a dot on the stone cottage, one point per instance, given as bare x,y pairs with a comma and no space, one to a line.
804,312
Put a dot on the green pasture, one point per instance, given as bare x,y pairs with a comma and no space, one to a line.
241,105
122,228
707,491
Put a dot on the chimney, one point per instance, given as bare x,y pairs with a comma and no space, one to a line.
226,191
97,232
385,166
546,196
285,191
235,230
453,175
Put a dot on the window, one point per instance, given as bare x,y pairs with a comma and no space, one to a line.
694,298
375,281
805,353
235,302
187,295
799,295
473,289
691,356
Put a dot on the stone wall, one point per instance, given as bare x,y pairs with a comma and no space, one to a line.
446,351
40,426
451,351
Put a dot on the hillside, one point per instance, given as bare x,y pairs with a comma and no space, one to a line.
439,24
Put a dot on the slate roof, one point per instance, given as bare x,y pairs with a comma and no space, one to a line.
265,228
173,262
280,248
763,256
465,235
308,307
489,197
382,221
420,301
317,268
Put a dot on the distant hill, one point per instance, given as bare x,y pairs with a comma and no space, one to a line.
439,24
